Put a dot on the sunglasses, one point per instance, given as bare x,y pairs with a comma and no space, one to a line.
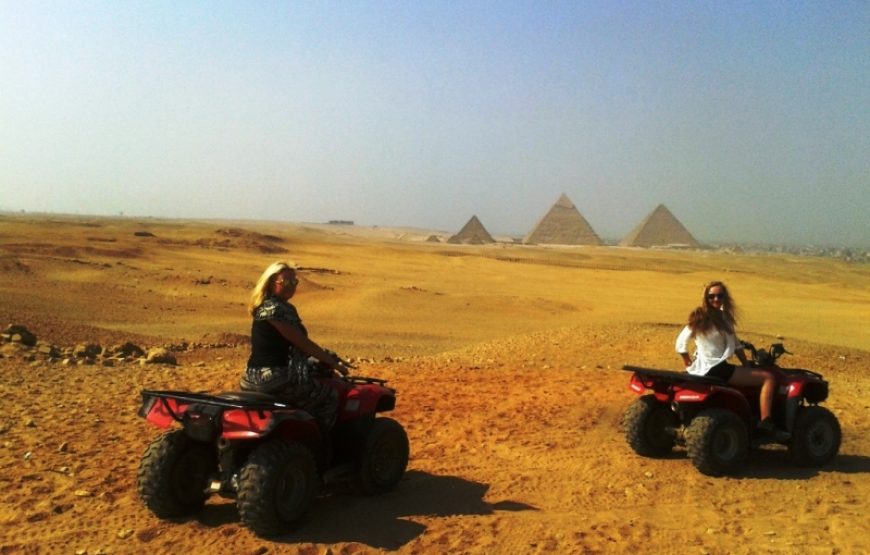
291,281
716,296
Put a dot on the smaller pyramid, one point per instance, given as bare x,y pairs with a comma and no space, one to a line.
433,239
563,225
472,233
660,229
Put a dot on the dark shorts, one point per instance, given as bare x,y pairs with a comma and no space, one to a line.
723,371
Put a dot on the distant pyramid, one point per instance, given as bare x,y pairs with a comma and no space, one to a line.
473,233
563,225
433,239
660,228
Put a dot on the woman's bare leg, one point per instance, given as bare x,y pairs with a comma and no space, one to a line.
746,377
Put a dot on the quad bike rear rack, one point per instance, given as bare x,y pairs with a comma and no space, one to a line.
363,379
672,377
247,400
234,400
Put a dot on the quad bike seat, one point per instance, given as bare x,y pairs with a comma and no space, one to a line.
248,396
671,376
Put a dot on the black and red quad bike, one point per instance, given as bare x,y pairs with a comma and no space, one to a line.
270,457
717,422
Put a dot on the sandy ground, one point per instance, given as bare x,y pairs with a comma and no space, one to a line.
506,358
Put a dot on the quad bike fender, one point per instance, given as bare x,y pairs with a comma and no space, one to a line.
640,385
715,396
254,424
161,411
367,399
800,390
813,391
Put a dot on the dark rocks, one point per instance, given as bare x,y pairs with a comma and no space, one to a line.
89,350
19,334
128,349
16,342
47,350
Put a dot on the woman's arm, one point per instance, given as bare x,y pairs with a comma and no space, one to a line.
294,335
738,350
682,345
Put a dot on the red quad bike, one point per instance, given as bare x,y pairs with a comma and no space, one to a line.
268,456
716,422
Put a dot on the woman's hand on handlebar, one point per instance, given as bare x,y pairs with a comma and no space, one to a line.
338,364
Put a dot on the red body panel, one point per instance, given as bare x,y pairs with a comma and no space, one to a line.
362,399
691,393
354,400
244,424
161,413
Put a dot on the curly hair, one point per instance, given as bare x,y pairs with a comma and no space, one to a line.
705,317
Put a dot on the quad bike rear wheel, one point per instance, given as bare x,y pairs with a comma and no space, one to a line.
649,427
717,442
174,473
276,487
816,437
384,457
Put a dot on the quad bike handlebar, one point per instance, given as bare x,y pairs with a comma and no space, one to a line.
765,358
328,372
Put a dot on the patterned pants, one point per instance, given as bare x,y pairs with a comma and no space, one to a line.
297,387
317,399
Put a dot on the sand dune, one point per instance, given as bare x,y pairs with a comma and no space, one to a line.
507,361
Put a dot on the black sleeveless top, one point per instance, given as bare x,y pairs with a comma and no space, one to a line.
268,347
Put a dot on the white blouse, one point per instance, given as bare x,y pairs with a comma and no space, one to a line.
710,348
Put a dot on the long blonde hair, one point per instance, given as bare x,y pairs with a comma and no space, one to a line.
265,282
705,317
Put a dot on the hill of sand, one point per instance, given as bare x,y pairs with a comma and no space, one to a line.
507,363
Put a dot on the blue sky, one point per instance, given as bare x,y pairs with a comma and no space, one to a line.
748,120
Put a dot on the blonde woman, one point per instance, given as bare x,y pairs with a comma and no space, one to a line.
712,326
280,348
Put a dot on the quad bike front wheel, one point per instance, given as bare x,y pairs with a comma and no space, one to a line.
384,457
816,437
649,426
717,442
276,487
174,473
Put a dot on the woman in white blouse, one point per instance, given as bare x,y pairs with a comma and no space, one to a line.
712,326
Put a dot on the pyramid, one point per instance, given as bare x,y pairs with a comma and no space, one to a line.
660,228
472,233
563,225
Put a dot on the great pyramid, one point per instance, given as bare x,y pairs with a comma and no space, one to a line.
563,225
472,233
660,228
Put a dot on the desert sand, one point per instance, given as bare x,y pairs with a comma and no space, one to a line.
507,360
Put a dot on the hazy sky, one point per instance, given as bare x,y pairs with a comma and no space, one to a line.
749,120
